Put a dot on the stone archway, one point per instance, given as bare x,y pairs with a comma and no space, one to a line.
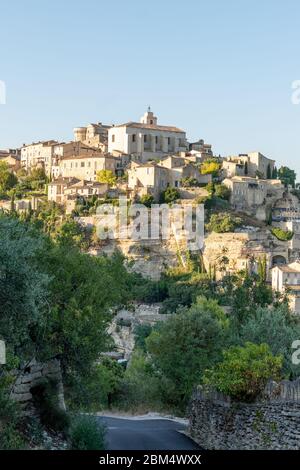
278,260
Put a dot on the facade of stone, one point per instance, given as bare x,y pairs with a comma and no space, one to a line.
146,139
32,375
217,423
249,164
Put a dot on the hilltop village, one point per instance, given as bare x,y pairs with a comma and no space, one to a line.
252,208
139,324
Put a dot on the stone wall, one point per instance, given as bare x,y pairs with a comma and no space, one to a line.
30,376
273,423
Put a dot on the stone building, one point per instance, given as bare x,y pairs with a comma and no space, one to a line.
146,139
94,135
201,150
154,178
286,279
47,154
249,164
11,158
253,195
62,189
86,166
38,154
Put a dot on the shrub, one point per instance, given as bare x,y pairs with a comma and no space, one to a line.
170,195
223,222
244,371
184,346
96,389
282,235
275,327
147,200
10,436
86,433
189,182
210,166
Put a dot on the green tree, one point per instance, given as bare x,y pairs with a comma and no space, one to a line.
170,195
275,327
7,178
222,191
23,287
223,222
147,200
182,347
210,166
274,173
70,232
287,176
107,176
244,371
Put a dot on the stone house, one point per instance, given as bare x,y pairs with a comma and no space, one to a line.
86,166
249,164
48,154
94,135
253,195
146,139
154,178
56,189
63,189
286,278
200,150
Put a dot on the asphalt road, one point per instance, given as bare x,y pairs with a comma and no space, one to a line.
148,434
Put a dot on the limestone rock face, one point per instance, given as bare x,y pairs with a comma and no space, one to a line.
242,250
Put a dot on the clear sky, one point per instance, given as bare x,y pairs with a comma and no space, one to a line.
221,70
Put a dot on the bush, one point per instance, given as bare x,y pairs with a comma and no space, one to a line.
86,433
95,390
10,436
142,388
184,346
282,235
223,222
244,371
275,327
147,200
170,195
210,166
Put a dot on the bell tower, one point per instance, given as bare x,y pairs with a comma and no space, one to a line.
149,118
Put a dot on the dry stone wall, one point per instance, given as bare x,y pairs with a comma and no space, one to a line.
32,375
273,423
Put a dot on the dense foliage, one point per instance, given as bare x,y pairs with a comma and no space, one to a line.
223,222
282,235
244,371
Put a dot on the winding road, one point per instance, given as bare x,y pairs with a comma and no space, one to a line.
146,434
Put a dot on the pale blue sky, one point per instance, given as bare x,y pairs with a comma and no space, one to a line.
221,70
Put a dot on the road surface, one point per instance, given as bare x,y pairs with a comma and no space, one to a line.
146,434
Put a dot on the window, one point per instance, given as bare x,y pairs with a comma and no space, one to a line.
151,121
113,138
169,140
133,137
145,138
156,139
82,164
